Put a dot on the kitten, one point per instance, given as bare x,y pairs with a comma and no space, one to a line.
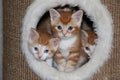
42,45
66,26
88,41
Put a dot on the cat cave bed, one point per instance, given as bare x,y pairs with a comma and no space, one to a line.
102,22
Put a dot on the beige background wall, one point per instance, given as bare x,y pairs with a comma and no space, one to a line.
1,50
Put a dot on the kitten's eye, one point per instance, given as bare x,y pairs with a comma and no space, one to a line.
87,48
46,51
35,48
70,28
59,27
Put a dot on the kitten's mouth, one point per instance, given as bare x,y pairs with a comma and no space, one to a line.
40,59
64,37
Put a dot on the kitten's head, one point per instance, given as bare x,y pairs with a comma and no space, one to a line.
88,48
42,48
65,24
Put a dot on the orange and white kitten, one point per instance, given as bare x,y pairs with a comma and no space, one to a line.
66,26
43,45
88,41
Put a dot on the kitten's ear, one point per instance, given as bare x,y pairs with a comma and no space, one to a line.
84,38
54,15
77,17
55,43
33,34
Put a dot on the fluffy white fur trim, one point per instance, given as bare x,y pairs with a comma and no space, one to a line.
102,22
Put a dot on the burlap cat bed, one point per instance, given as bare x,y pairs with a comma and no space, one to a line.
102,22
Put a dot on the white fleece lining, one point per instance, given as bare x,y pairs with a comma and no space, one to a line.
102,22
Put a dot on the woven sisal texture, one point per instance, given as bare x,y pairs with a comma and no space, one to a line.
14,64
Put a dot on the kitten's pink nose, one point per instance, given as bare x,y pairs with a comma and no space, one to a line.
64,33
39,55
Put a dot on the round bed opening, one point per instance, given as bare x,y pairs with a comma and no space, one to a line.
86,25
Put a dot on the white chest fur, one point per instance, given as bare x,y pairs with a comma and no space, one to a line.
65,45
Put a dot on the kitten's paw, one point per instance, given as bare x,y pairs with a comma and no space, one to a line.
61,68
69,68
